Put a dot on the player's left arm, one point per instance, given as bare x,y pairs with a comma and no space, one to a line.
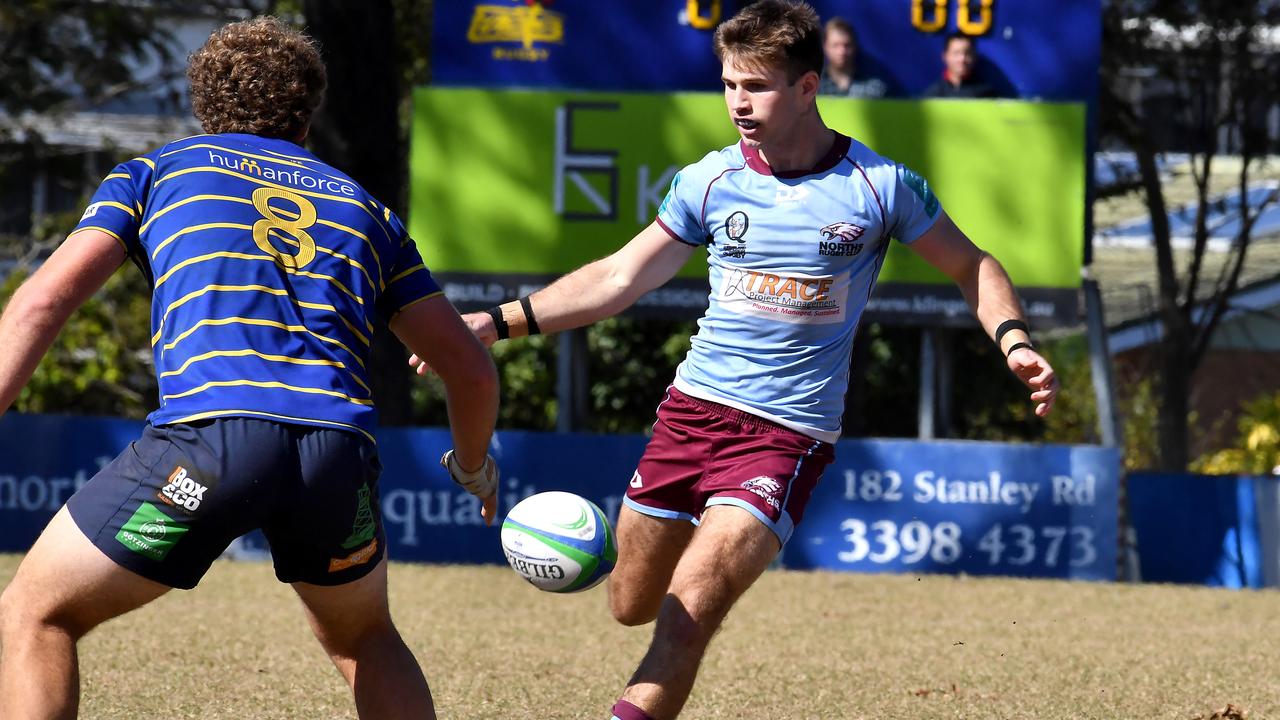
990,293
41,306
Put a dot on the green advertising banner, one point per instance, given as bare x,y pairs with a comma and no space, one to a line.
510,189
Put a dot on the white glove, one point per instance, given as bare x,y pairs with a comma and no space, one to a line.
482,483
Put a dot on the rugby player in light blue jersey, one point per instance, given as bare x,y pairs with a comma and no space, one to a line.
268,268
796,220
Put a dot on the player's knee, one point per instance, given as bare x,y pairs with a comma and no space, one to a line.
632,611
632,605
20,615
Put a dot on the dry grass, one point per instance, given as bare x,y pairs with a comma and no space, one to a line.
800,645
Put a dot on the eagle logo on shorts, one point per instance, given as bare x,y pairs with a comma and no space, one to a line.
767,488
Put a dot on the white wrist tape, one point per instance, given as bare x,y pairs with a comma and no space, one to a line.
482,483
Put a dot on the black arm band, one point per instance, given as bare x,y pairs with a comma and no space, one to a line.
1019,345
1008,325
498,323
528,315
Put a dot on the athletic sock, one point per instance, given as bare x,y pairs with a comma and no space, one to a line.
624,710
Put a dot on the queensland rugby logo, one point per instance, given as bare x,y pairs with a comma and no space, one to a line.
840,239
767,488
736,229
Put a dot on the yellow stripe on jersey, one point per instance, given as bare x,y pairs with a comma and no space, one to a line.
117,175
332,253
411,303
261,322
270,358
410,271
122,206
100,229
264,183
271,384
191,199
254,288
273,416
244,256
146,161
195,228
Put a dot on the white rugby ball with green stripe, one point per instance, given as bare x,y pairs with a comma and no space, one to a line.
558,541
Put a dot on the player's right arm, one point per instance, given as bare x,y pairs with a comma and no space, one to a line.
602,288
595,291
41,306
432,330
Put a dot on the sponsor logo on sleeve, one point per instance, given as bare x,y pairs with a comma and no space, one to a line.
90,211
920,187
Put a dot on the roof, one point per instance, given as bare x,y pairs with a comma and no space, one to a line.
96,131
1124,261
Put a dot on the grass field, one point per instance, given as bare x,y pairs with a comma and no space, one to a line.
800,645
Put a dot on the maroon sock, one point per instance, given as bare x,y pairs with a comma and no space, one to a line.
624,710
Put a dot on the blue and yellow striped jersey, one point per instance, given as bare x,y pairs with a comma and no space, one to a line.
267,266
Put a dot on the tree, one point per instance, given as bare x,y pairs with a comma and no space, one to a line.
374,53
1196,76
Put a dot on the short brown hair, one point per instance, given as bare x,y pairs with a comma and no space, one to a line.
783,33
259,76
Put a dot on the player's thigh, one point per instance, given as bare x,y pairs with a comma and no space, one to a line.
648,550
342,615
330,531
67,582
727,554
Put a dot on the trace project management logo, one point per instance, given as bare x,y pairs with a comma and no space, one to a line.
527,22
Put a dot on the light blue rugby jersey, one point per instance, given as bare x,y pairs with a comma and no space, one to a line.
793,259
267,267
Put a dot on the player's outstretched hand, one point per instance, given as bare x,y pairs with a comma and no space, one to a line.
480,324
481,482
1036,373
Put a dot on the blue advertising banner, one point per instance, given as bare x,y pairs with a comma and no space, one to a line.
977,508
884,505
1220,531
1041,49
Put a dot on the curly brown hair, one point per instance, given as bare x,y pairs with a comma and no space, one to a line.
779,33
259,76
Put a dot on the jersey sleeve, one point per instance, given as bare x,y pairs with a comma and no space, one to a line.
409,281
912,206
680,213
116,207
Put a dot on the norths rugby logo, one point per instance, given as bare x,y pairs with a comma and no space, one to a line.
838,239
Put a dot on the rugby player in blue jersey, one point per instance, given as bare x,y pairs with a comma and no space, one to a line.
796,220
268,267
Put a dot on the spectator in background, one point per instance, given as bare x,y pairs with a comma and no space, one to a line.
840,71
959,57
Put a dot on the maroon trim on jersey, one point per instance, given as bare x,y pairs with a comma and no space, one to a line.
674,235
838,150
884,217
702,218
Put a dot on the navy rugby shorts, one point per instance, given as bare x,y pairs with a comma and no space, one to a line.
173,501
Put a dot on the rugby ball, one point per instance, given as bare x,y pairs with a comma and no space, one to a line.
559,542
